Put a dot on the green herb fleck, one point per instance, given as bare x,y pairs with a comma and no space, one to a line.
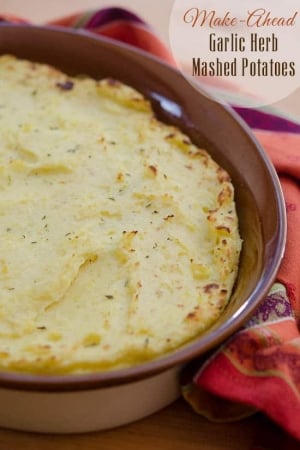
73,149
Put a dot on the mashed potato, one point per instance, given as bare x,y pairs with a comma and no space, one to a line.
119,238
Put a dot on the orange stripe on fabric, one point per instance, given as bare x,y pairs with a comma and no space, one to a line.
283,149
138,36
257,392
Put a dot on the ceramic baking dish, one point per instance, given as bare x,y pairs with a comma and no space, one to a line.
80,403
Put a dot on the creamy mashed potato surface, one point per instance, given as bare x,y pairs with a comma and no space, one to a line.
118,237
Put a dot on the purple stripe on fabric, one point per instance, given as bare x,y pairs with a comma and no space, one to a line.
275,306
107,15
264,121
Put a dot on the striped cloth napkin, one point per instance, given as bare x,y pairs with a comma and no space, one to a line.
257,369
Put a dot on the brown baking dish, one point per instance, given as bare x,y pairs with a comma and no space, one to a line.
75,403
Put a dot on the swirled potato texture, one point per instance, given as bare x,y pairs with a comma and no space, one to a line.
119,237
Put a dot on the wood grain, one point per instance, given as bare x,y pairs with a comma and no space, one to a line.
175,428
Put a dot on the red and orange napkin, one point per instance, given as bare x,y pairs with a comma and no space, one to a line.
259,367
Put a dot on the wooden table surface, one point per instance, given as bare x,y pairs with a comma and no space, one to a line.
176,427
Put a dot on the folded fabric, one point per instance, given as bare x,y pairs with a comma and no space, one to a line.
259,367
